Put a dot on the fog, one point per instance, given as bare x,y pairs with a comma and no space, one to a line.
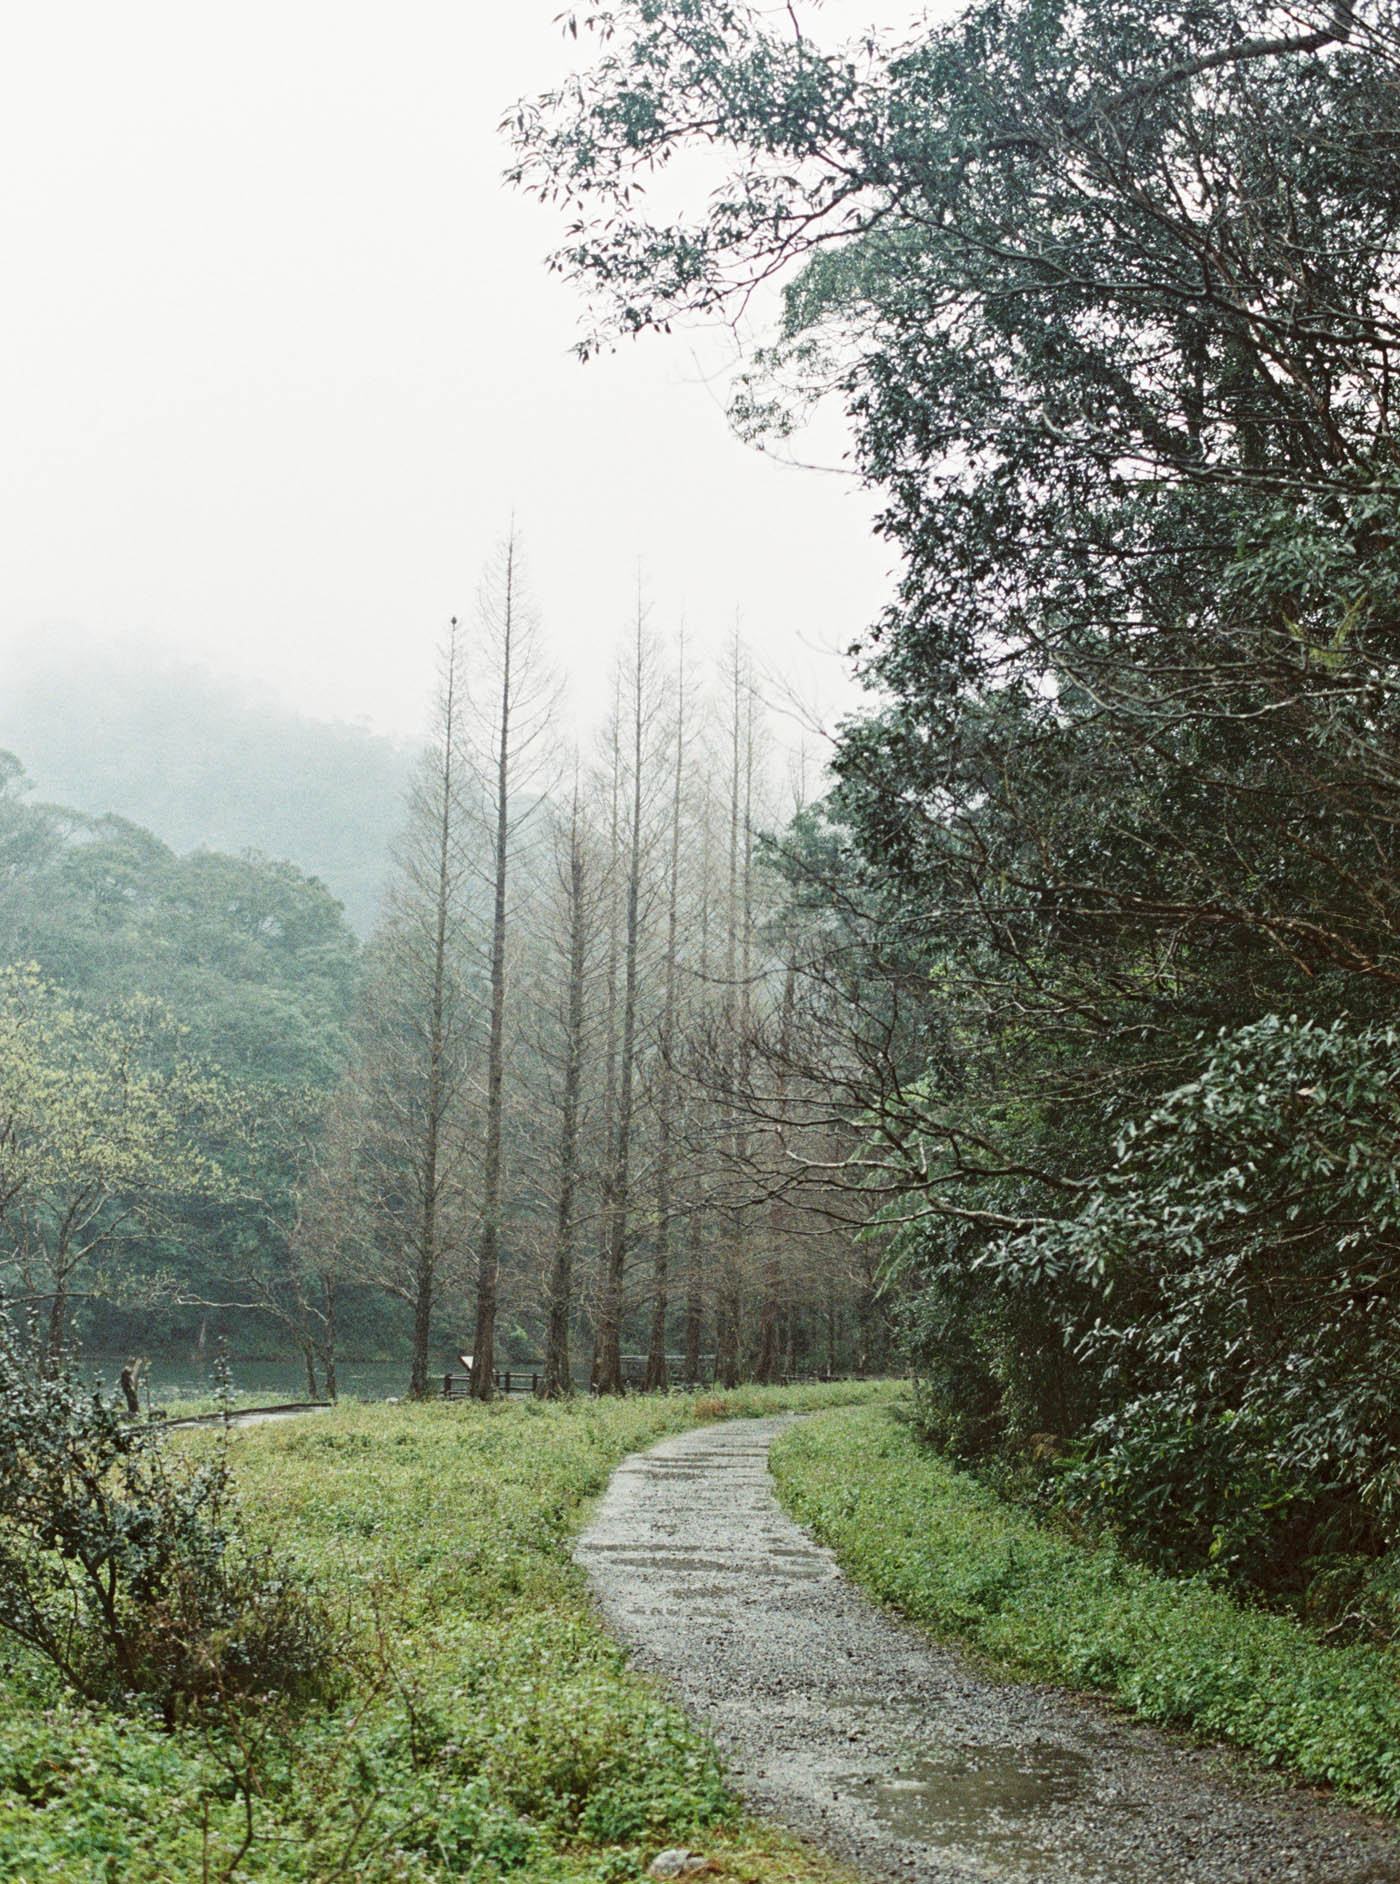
284,361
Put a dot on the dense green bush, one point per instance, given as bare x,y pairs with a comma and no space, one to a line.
1244,1251
119,1566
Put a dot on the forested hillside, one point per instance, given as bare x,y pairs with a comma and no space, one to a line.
169,1027
204,765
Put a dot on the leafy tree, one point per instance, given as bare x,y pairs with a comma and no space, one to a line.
103,1117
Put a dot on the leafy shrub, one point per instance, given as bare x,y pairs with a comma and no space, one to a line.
118,1565
1242,1253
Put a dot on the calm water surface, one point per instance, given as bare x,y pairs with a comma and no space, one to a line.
269,1381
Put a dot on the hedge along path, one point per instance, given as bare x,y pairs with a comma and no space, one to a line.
845,1724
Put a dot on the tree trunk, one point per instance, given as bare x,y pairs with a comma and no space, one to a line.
330,1338
489,1266
694,1299
558,1378
730,1295
610,1331
605,1308
425,1270
769,1342
656,1379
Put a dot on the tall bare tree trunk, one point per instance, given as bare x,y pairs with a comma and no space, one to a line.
603,1335
770,1360
729,1304
695,1296
558,1378
699,1217
610,1348
436,1097
483,1377
656,1349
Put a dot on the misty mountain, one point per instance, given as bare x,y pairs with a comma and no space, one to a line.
203,763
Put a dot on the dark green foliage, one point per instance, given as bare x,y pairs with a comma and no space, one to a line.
1244,1249
121,1567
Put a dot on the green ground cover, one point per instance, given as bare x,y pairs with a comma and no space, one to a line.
488,1727
948,1553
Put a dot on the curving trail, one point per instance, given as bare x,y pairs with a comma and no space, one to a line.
844,1724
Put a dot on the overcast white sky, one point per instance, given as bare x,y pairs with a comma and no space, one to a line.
281,357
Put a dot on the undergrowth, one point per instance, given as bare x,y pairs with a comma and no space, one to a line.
950,1554
483,1726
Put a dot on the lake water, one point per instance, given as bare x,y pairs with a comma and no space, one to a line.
271,1382
268,1381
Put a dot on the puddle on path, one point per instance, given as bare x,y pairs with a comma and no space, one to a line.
959,1790
893,1754
994,1802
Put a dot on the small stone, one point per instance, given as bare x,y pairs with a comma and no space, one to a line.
677,1862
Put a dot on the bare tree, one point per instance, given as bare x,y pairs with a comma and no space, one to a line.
656,1377
579,922
507,744
641,726
417,1031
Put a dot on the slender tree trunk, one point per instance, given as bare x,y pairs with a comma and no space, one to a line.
58,1326
656,1349
558,1379
769,1339
607,1327
610,1359
331,1393
483,1377
727,1331
695,1267
694,1297
425,1270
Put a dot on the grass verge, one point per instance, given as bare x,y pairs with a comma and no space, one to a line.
489,1729
948,1553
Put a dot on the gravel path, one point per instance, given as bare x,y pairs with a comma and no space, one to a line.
848,1726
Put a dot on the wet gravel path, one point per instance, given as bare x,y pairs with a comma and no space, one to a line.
848,1726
